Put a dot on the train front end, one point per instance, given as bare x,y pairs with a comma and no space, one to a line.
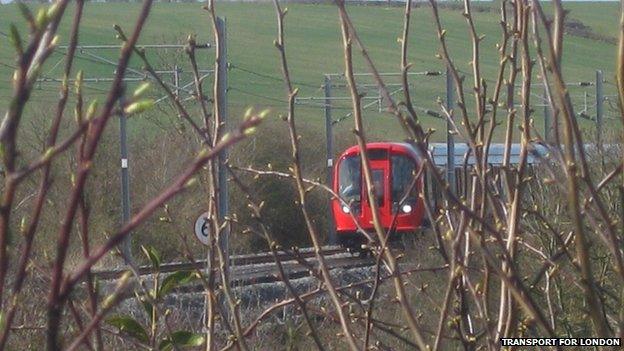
396,184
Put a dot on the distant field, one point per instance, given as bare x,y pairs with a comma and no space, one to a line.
314,48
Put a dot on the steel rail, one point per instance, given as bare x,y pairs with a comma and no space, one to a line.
235,260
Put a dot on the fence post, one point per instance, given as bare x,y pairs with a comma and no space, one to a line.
450,139
329,145
599,108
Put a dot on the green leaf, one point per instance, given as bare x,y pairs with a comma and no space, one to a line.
174,280
78,82
129,326
141,89
139,106
42,18
181,338
52,10
92,109
153,255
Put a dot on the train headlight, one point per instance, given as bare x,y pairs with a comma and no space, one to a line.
406,208
346,209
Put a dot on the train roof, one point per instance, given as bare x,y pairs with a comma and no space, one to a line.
496,155
439,152
381,145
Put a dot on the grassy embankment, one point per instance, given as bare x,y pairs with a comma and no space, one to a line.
314,48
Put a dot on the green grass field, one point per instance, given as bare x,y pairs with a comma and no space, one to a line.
314,48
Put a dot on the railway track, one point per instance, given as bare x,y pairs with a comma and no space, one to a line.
257,268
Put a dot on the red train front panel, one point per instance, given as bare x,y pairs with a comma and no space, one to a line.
393,167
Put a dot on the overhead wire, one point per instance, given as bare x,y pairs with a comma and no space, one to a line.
267,76
257,95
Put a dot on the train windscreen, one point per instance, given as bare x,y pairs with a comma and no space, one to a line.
350,179
403,173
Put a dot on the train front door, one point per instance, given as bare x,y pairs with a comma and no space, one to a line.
380,173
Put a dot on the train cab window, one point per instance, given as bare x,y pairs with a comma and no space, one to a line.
403,173
349,178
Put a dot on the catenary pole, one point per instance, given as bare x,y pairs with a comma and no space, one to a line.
329,145
222,170
450,139
126,246
548,122
599,108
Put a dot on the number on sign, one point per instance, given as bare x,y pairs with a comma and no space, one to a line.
202,228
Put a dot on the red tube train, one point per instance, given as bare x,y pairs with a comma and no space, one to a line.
393,167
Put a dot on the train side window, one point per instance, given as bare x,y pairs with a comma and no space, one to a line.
403,173
349,179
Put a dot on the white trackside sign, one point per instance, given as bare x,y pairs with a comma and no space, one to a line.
202,228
